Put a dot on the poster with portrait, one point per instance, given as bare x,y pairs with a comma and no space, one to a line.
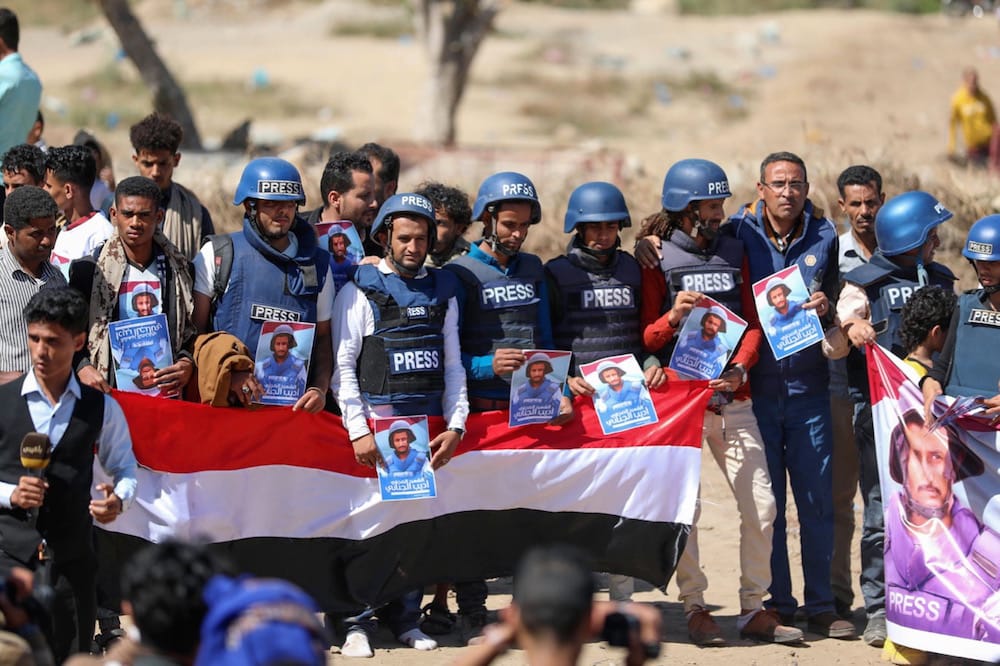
940,483
282,361
404,443
536,388
344,244
140,347
707,340
141,297
787,326
622,400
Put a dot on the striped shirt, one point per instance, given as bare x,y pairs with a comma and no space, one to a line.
16,289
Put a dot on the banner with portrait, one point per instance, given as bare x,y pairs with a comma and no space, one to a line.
940,484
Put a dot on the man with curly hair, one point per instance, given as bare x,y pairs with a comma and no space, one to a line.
156,140
23,164
453,216
926,318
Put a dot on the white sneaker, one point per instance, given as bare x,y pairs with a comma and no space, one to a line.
417,640
357,645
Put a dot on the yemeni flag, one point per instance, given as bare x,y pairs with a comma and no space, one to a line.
279,492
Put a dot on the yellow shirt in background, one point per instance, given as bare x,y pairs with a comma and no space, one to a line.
975,114
916,365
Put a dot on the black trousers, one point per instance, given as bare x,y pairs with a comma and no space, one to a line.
74,603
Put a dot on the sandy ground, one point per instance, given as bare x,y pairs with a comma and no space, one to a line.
719,541
835,86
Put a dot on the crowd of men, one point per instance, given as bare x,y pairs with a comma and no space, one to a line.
421,321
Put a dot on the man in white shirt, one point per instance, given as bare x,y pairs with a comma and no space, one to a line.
70,172
398,354
47,510
276,272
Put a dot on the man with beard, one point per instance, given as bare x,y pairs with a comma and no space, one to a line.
398,354
505,310
453,216
704,349
385,169
788,314
283,367
277,273
348,190
617,390
405,458
695,260
539,389
939,558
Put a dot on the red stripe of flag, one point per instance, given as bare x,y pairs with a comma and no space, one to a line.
182,437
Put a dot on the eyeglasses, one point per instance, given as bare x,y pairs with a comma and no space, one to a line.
779,186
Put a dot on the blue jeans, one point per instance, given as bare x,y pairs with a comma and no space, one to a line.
873,524
401,615
798,440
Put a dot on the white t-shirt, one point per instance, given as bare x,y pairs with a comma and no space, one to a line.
80,239
204,279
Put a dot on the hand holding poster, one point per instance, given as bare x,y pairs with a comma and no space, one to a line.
403,442
282,361
622,400
787,326
536,388
941,496
139,348
707,340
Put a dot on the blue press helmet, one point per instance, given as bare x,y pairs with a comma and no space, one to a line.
271,179
507,186
398,426
903,222
407,202
596,201
718,313
983,241
693,180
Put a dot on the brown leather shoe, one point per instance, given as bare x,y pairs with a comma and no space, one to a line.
766,626
702,629
828,624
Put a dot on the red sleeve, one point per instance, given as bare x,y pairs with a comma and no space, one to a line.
656,329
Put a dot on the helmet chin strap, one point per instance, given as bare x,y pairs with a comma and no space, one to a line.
252,216
922,278
400,268
494,241
992,289
700,226
600,254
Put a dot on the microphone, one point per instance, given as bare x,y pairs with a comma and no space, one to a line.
36,452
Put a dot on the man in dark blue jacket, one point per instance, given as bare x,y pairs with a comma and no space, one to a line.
791,397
